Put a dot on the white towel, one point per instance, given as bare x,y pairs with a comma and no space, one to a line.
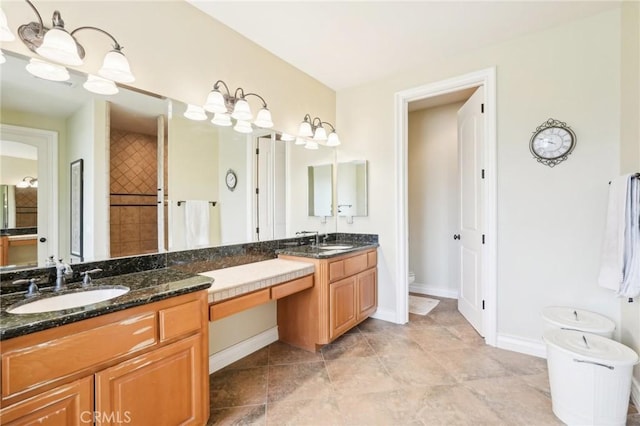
196,217
620,239
631,282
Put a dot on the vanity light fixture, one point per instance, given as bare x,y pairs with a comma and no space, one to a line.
28,182
314,129
59,46
226,106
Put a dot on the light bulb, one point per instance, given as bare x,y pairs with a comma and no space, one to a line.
47,70
241,111
116,67
221,119
263,119
215,102
195,112
59,46
100,85
243,127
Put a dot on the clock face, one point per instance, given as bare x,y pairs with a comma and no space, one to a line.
552,142
231,180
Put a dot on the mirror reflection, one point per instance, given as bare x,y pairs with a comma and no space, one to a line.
352,188
149,172
320,190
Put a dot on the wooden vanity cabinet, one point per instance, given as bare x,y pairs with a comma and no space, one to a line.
345,294
144,365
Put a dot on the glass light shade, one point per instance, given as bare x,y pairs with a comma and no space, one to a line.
243,126
5,31
100,85
305,129
333,139
215,102
116,67
311,145
195,112
59,46
221,119
241,111
47,70
301,141
286,137
320,134
263,119
3,59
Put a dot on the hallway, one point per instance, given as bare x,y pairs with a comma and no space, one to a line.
435,370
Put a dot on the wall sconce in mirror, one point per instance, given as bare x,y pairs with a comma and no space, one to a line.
28,182
225,106
312,131
60,49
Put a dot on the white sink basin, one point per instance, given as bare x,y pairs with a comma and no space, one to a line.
68,301
334,247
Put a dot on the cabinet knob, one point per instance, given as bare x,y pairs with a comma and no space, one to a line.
43,240
456,236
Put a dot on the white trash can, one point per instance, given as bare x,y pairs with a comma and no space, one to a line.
577,319
590,377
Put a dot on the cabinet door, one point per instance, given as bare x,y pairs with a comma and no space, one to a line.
163,387
367,293
70,404
342,306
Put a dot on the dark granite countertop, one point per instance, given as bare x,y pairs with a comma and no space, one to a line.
145,287
318,252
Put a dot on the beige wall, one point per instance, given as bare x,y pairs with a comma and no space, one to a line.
630,149
550,221
433,197
180,52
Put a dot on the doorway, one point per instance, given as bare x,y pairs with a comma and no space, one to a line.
44,144
486,269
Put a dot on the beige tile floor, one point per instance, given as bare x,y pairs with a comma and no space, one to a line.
435,370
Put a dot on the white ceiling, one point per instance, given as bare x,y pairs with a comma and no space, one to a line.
347,43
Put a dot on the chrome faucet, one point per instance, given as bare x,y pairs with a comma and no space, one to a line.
63,271
309,232
33,286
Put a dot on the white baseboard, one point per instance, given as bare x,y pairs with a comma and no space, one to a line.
431,290
635,392
238,351
522,345
385,315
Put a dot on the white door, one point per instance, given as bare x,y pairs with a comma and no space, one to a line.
46,144
470,143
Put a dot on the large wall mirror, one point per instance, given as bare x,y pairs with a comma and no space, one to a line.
352,188
149,173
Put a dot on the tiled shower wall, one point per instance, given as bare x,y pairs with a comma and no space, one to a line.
133,186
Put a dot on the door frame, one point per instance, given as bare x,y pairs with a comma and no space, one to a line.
487,78
46,141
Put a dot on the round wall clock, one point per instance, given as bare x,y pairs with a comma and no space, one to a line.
231,180
552,142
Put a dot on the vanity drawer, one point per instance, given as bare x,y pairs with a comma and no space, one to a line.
347,267
179,320
290,287
47,360
237,304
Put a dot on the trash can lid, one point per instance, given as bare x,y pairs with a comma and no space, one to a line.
578,319
591,347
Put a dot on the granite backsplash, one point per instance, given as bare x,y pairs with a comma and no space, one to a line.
191,261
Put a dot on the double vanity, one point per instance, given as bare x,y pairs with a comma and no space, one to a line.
144,354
